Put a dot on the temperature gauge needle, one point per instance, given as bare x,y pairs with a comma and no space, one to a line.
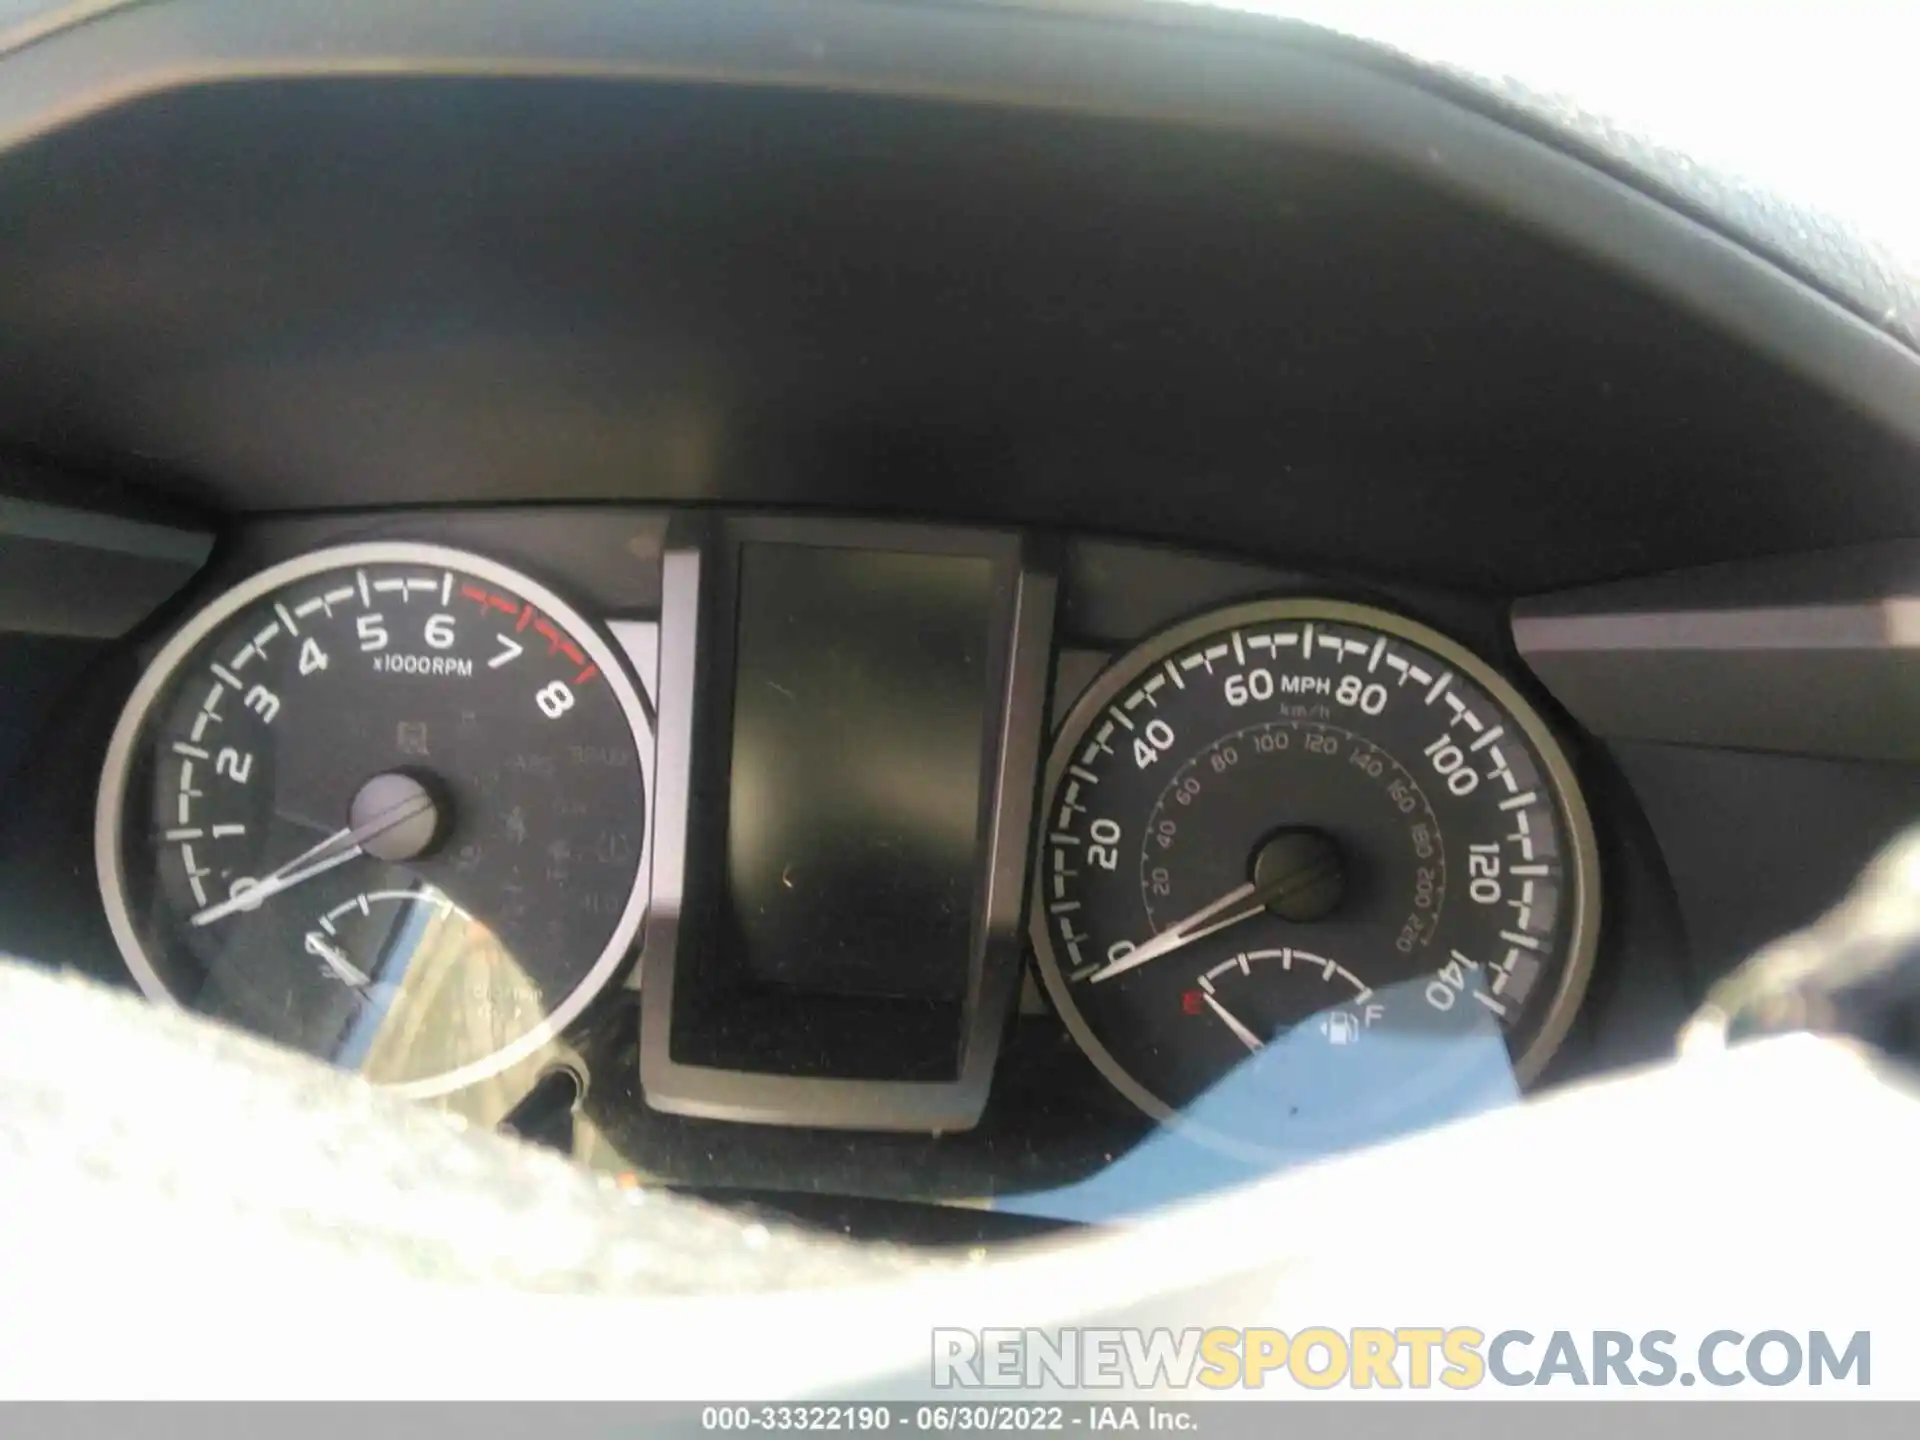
336,962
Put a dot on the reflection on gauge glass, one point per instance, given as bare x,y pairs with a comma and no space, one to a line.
1284,840
385,804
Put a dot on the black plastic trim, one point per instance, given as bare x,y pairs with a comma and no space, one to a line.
86,574
1281,80
1815,654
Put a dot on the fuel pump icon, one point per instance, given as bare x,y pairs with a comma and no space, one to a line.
1345,1027
1340,1027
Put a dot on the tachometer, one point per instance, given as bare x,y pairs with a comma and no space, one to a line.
385,803
1307,822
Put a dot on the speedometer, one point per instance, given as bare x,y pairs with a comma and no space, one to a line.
1307,823
386,804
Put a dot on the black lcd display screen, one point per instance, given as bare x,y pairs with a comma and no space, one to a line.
861,718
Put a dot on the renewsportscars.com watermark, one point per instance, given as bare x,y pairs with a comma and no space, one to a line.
1414,1358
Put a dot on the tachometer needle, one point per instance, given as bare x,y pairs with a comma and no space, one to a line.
1245,1036
336,849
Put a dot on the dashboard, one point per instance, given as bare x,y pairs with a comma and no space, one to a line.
1055,873
830,640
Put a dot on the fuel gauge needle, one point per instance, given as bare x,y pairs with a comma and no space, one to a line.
1245,1036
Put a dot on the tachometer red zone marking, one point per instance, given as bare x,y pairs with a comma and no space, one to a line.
557,642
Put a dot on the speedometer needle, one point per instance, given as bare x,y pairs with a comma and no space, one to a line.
336,849
1240,903
1230,909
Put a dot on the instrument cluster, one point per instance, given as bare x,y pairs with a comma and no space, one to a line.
936,840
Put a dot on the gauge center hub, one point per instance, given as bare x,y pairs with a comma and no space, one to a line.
419,819
1301,872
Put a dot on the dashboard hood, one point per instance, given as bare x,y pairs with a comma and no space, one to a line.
271,1188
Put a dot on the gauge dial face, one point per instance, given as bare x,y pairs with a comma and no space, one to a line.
1312,823
385,804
